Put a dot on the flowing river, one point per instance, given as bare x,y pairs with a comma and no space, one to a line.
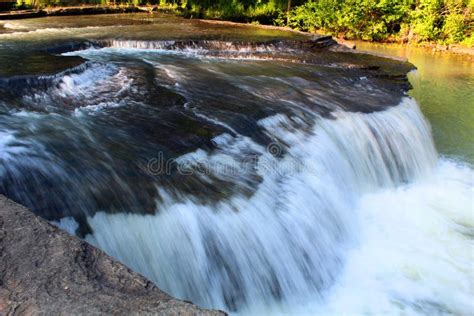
241,170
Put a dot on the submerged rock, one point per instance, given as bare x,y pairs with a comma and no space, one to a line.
44,270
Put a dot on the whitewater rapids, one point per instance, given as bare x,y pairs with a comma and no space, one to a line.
311,191
360,216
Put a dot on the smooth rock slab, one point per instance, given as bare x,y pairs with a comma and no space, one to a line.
43,270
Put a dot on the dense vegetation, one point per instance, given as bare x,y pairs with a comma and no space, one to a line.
445,21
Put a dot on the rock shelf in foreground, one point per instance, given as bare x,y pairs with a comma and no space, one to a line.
43,270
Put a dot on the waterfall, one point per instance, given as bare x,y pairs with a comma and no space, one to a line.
296,188
202,45
286,50
290,241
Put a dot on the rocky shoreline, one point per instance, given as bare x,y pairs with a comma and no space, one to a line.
44,270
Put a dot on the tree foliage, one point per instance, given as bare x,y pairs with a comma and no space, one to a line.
446,21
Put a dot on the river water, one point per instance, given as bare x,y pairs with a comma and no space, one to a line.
254,178
442,86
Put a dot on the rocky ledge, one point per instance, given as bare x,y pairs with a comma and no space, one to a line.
43,270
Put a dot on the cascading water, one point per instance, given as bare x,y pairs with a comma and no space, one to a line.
285,193
289,241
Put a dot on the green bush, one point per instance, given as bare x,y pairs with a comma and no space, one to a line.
454,28
366,19
446,21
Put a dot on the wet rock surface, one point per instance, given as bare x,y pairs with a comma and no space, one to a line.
43,270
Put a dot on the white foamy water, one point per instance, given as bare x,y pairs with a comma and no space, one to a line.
196,47
80,84
7,150
415,249
90,91
205,50
6,140
369,221
13,26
